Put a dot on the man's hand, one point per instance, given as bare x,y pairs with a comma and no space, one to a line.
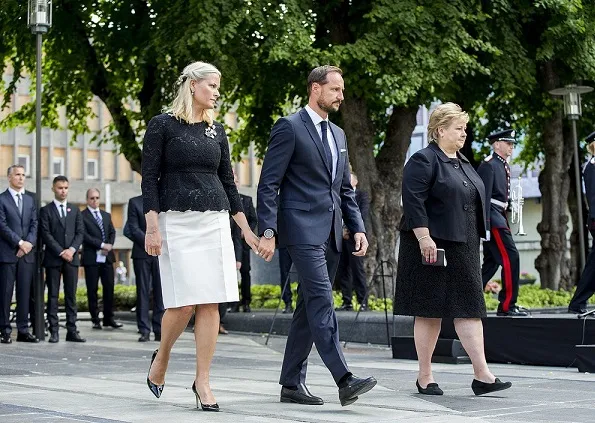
266,248
20,253
238,265
107,248
346,233
361,244
26,247
67,255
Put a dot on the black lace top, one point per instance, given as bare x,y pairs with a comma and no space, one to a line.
184,169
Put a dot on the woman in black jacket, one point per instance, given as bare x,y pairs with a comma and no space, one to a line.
443,208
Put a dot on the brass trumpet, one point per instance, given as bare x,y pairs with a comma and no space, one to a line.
516,203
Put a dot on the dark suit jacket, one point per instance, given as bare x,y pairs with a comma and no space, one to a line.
363,202
92,241
136,228
492,172
589,178
436,196
14,227
58,234
296,169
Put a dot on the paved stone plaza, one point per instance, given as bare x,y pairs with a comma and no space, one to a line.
104,381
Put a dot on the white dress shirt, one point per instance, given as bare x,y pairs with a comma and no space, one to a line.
58,204
316,119
93,211
14,193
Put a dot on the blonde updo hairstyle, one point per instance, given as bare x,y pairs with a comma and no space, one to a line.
181,106
591,148
443,116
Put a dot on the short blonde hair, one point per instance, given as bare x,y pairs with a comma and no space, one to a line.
181,107
591,148
443,116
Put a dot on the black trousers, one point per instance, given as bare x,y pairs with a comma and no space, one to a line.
501,251
22,273
245,284
585,288
147,278
105,271
352,274
285,263
314,320
69,275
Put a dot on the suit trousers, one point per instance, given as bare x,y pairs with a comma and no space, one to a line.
22,273
314,320
105,271
245,284
147,278
585,287
285,267
352,274
69,278
501,251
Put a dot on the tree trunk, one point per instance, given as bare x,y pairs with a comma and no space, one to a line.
552,263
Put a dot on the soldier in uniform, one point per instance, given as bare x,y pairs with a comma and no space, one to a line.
586,285
499,248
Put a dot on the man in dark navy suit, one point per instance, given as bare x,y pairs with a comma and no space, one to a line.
98,259
146,271
62,232
586,285
18,237
307,167
499,248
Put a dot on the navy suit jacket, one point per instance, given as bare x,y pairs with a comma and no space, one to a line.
310,203
92,240
14,227
59,234
135,228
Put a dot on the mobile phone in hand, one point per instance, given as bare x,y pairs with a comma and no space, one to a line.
440,259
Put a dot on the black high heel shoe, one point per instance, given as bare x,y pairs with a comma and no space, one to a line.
155,389
481,388
431,389
205,407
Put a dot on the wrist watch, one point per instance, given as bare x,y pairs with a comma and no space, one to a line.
269,234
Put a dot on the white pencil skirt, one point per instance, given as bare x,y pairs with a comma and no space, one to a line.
197,261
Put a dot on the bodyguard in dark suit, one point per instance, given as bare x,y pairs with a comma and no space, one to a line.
586,285
352,273
99,258
146,270
499,248
306,166
18,238
62,232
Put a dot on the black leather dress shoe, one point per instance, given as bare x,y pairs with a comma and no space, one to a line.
158,337
54,338
345,307
247,308
577,310
97,325
481,388
74,337
26,337
299,396
5,339
112,324
353,387
145,337
288,309
513,311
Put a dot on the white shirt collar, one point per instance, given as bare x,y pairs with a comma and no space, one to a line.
14,192
92,210
58,204
316,119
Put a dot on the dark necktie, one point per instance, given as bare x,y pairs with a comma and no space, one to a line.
62,214
327,148
20,204
100,223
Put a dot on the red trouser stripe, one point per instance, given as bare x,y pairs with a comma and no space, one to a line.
507,274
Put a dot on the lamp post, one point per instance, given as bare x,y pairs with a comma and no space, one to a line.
39,19
572,109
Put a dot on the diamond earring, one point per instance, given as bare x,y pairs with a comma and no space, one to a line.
192,92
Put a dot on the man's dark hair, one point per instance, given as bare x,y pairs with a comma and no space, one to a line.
59,178
319,74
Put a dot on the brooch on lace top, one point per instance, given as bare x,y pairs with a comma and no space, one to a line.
210,131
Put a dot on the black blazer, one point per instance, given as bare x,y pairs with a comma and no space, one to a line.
58,234
14,227
589,178
135,228
436,197
92,241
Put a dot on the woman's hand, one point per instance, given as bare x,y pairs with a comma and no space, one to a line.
428,249
251,239
153,242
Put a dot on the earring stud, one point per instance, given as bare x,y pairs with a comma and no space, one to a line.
192,92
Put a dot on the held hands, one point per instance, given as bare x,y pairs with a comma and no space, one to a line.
361,244
67,255
106,249
428,249
153,243
25,248
266,248
251,239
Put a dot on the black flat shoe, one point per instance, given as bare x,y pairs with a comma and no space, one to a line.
431,389
205,407
481,388
155,389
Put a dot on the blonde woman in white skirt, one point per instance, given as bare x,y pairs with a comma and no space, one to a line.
188,193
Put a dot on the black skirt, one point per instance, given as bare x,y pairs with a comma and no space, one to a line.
441,292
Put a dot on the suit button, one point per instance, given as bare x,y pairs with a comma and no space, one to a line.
465,207
330,209
456,166
465,183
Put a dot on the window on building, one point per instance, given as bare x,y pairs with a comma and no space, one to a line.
24,160
57,166
92,169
